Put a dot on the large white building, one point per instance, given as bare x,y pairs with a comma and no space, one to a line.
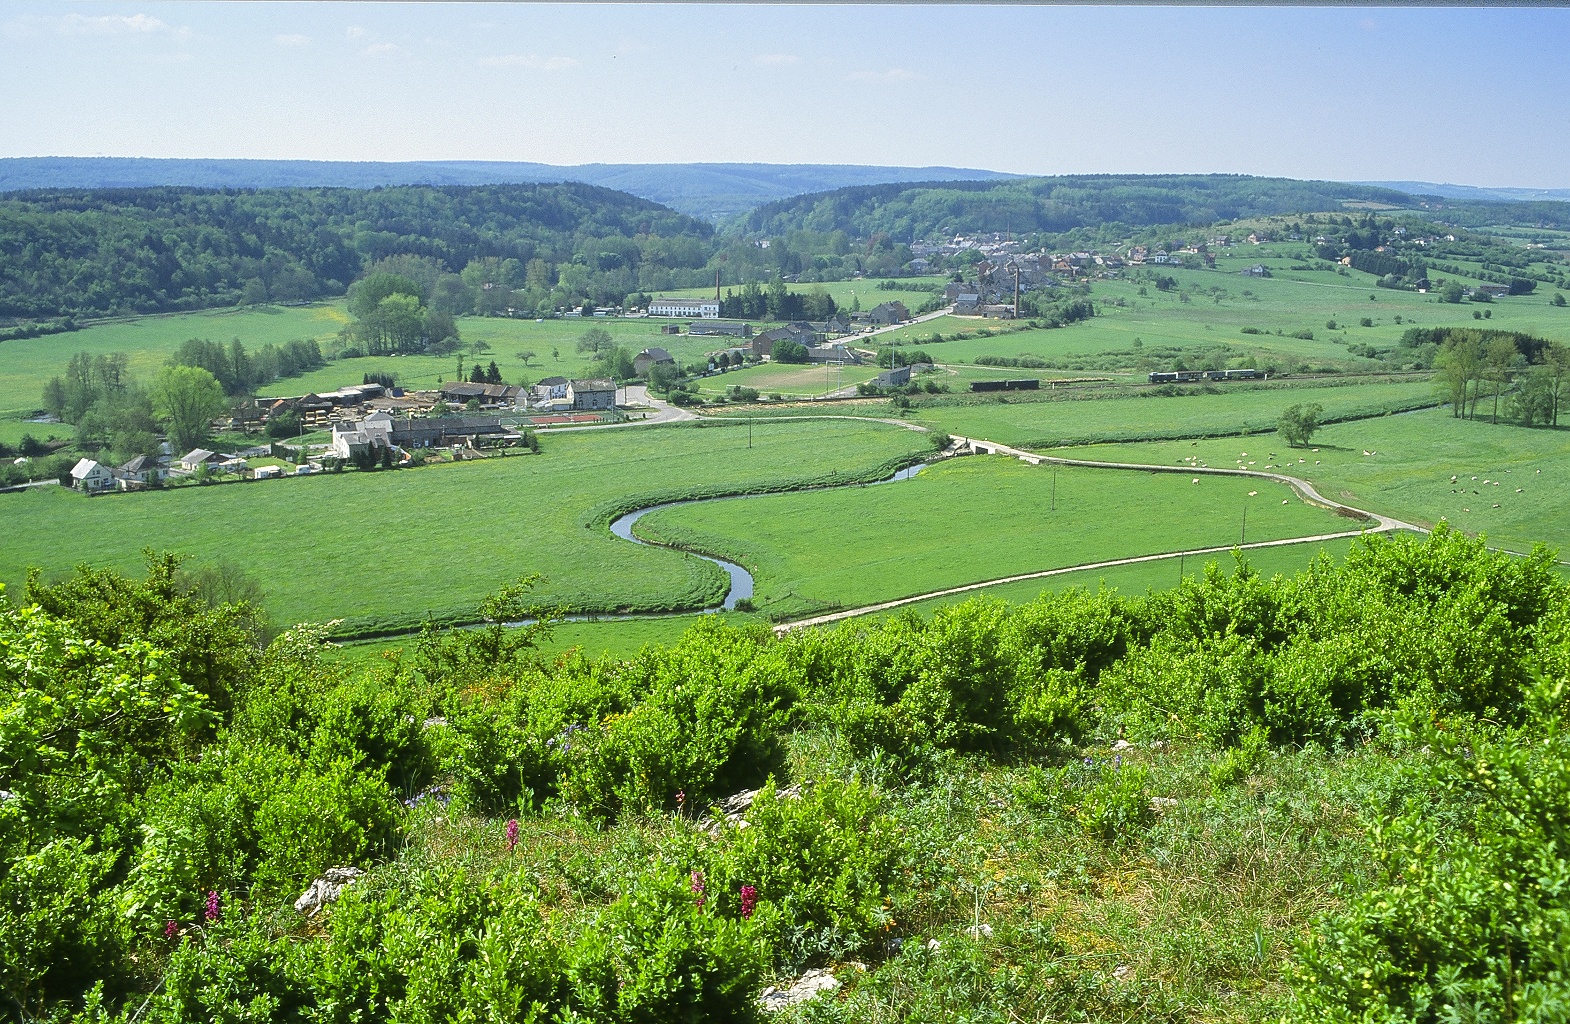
698,309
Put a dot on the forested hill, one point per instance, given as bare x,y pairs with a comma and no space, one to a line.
908,212
713,191
121,251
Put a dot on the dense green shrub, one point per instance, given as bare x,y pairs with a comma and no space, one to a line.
1468,926
704,720
825,866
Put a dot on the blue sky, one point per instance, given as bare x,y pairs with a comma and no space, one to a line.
1473,96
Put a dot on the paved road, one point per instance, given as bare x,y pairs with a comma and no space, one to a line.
638,394
1306,490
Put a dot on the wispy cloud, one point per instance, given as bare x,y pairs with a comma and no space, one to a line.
94,25
776,60
529,60
292,39
891,75
382,49
356,32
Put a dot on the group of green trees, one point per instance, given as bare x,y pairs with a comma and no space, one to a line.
777,302
118,418
392,315
527,827
1470,365
241,371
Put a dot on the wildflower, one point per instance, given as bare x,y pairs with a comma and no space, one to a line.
681,800
697,887
171,929
212,911
749,900
1117,760
512,834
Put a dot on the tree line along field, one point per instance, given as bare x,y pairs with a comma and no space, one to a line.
382,550
1407,473
971,519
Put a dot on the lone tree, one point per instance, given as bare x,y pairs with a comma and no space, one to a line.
187,399
1298,424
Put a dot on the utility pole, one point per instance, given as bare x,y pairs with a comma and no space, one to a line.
1244,538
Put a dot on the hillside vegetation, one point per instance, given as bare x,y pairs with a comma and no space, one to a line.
1338,796
908,212
114,251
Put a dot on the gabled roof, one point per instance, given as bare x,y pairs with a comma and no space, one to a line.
197,455
83,469
659,355
593,384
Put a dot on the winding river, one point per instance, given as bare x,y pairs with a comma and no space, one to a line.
740,578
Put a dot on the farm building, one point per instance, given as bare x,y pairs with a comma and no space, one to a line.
899,376
91,477
832,354
698,309
967,304
730,328
550,388
649,358
463,392
592,394
887,313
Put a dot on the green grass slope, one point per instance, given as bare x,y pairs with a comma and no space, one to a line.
381,550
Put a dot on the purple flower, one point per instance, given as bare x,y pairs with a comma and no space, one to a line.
697,882
749,900
681,800
171,929
213,908
1117,760
512,834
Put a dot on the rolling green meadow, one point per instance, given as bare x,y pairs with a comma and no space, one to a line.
1050,419
1407,474
383,550
970,519
788,381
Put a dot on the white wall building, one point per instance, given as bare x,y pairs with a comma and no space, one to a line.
698,309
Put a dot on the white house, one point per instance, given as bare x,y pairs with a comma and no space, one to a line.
697,309
196,458
92,477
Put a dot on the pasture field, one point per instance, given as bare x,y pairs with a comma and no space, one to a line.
382,550
1048,419
968,520
27,364
12,428
788,380
1210,308
1408,471
553,342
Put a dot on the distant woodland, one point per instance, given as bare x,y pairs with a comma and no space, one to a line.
125,251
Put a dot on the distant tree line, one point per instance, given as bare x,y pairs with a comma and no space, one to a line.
97,252
241,371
